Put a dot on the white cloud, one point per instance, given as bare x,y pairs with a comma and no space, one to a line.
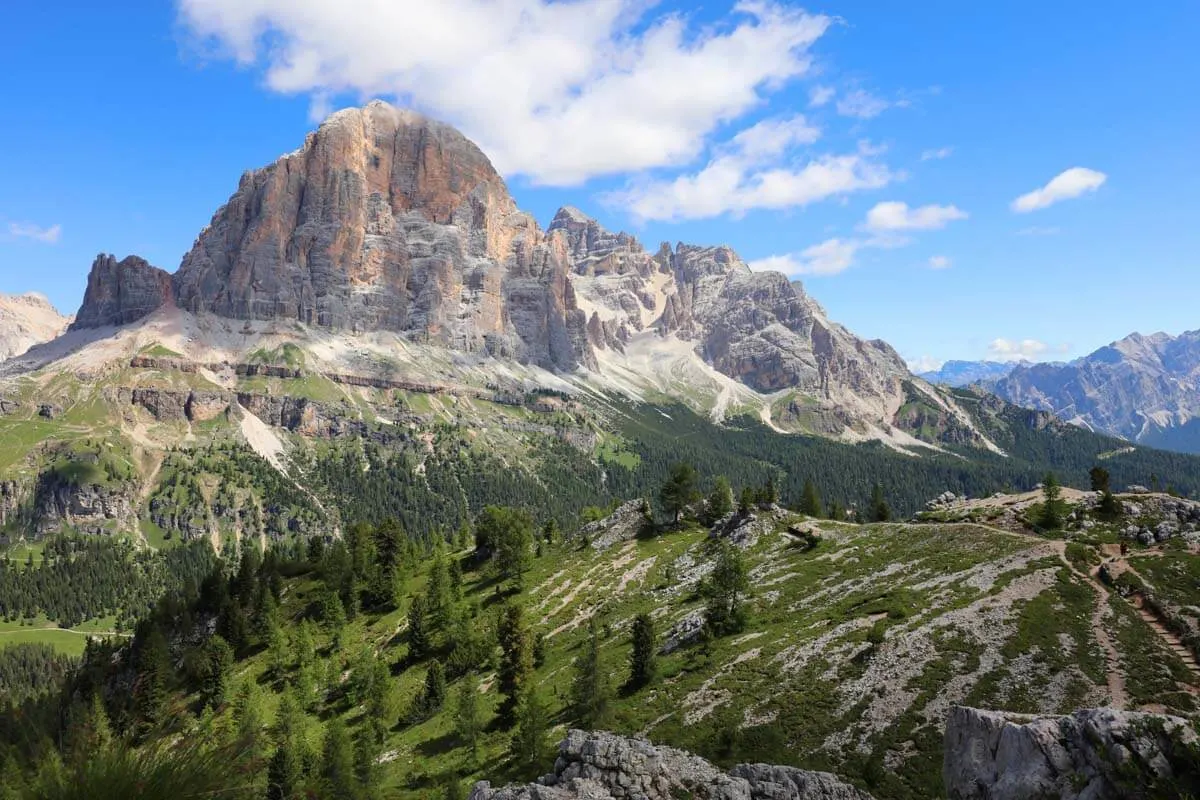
940,262
1066,185
820,95
925,364
938,154
1013,350
862,105
897,216
555,91
746,174
27,230
827,258
1039,231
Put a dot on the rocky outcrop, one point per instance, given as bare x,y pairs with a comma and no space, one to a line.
965,373
84,507
27,320
386,220
1143,388
1096,754
623,525
602,766
122,292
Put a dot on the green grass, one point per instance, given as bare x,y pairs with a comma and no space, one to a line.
67,642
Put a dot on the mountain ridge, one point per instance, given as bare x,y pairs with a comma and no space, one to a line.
387,222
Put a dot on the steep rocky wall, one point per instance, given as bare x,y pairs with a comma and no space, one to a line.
122,292
1100,754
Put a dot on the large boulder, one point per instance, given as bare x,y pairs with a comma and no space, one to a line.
1090,755
603,766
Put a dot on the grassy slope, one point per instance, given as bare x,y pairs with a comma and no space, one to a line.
854,652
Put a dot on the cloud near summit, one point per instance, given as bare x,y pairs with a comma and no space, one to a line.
555,92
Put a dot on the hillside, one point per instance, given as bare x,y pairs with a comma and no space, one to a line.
855,643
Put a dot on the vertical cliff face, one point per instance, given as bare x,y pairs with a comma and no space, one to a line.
122,292
385,220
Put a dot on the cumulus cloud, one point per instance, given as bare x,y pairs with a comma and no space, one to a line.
558,92
36,233
820,95
1066,185
1014,350
937,154
827,258
940,262
746,174
897,216
925,364
861,104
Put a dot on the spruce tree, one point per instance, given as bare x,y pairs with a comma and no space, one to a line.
1051,515
339,779
880,511
531,751
679,490
419,643
468,723
724,613
643,661
810,501
590,691
433,696
720,500
516,662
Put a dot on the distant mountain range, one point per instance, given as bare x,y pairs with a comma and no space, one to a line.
965,373
1145,389
1142,388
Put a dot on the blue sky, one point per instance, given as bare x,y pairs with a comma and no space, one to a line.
873,149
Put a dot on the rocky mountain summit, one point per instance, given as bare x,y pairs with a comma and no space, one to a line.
385,220
27,320
1142,388
602,766
1094,754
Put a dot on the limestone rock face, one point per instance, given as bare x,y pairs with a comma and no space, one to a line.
601,766
385,220
757,327
1095,754
27,320
122,292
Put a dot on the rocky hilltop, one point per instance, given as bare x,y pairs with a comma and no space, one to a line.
1100,754
1142,388
387,221
602,766
27,320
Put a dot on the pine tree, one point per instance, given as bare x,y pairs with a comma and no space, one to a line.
248,716
284,773
880,511
433,696
217,658
746,500
1051,515
720,500
508,534
150,685
516,662
590,692
439,593
531,752
467,720
679,490
724,613
810,501
837,512
338,775
643,660
769,493
419,643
